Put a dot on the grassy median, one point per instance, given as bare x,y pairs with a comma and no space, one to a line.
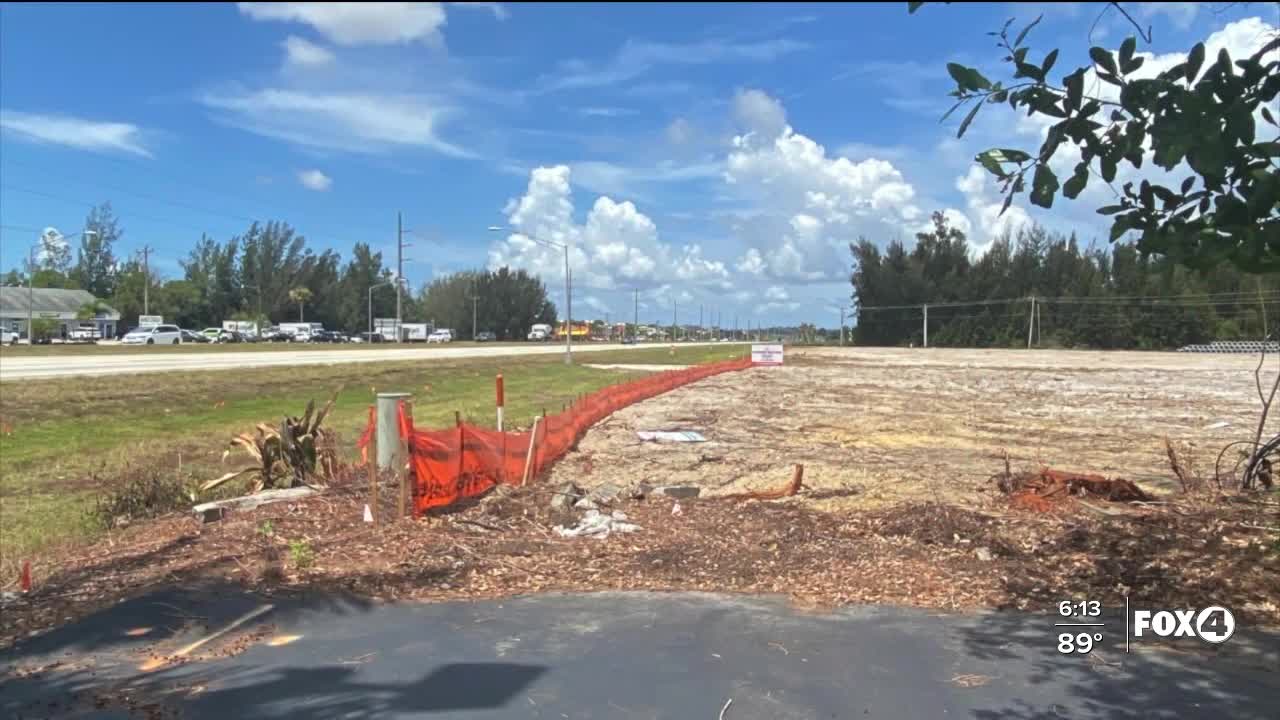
66,442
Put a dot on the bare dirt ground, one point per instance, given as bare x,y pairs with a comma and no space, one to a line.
898,504
878,427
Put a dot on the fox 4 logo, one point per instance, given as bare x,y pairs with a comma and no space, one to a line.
1214,624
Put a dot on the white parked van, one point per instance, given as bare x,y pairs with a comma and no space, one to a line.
539,332
440,336
154,335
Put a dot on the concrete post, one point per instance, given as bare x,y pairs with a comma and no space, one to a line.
389,453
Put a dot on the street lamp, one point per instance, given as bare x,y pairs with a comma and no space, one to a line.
568,286
31,281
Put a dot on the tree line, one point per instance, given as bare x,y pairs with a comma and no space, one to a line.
269,274
1094,297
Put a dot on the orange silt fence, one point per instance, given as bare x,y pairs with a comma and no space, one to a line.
466,461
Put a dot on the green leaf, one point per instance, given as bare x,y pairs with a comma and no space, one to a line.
1029,70
1110,209
914,6
968,78
1195,59
1266,115
1076,184
1047,65
1075,88
1240,124
1103,59
1267,149
1008,200
964,124
989,161
947,114
1013,155
1108,169
1043,186
1127,48
1133,65
1022,35
1120,226
1187,185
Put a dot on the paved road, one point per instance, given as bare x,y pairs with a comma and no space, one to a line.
613,655
49,366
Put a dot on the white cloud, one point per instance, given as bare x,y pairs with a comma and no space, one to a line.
807,206
752,263
776,293
314,180
596,304
499,11
304,53
611,112
609,178
637,57
982,197
358,23
75,132
367,123
679,132
759,114
616,247
1181,14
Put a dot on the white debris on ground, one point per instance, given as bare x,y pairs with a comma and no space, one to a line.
679,436
598,525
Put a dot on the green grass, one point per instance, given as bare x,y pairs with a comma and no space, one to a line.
67,439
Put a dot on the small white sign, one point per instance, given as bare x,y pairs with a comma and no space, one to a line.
150,320
766,354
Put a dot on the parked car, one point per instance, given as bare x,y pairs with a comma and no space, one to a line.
629,340
154,335
326,336
440,336
191,336
275,335
8,337
369,337
485,336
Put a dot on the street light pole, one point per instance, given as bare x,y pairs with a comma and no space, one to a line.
568,286
371,289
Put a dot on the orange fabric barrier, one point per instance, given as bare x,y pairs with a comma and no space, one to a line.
467,460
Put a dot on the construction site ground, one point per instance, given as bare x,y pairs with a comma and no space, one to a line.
898,505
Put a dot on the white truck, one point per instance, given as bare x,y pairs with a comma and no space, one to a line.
415,332
540,332
247,328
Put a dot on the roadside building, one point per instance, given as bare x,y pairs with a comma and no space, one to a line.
61,306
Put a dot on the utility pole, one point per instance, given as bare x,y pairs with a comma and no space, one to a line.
675,315
1031,321
701,328
926,325
399,268
735,326
473,317
608,329
146,278
636,325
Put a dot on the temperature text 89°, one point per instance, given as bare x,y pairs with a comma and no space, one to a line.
1077,643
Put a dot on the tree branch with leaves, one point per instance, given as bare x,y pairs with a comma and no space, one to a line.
1202,112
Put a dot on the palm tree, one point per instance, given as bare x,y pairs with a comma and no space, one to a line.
300,295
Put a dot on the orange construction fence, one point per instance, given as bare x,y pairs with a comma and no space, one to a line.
465,461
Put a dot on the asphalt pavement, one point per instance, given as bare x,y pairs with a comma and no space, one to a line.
610,655
72,364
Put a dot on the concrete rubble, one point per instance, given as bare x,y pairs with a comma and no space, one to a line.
598,525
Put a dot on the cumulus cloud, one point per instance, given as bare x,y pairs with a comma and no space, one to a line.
982,197
760,114
304,53
616,247
637,57
79,133
358,23
807,206
315,180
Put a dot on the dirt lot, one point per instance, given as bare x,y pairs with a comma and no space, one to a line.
877,427
899,449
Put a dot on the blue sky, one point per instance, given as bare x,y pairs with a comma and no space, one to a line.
714,155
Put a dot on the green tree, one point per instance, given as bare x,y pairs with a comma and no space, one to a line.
1217,115
211,268
301,296
362,272
95,267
